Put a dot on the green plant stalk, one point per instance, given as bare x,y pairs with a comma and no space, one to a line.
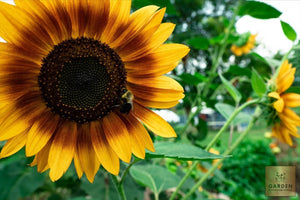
127,170
225,126
119,187
217,58
227,152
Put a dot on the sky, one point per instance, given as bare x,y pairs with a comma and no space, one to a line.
270,34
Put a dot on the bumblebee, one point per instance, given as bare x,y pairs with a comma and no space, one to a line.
126,102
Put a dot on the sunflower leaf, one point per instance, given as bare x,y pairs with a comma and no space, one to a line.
236,95
180,151
258,10
155,177
288,31
258,83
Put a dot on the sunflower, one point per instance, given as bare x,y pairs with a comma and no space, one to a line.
286,121
68,72
245,48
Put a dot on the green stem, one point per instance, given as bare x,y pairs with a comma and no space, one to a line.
220,53
127,170
233,115
119,187
227,152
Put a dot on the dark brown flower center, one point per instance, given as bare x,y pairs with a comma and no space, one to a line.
82,79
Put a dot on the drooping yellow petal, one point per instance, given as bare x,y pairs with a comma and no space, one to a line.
117,136
153,121
14,144
78,167
288,123
284,68
62,150
291,99
286,80
42,157
86,154
108,158
279,105
275,95
40,133
291,114
285,134
137,21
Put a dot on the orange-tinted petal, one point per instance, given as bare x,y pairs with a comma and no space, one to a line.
291,99
284,68
42,157
153,121
286,80
279,105
117,136
62,150
108,158
14,144
77,164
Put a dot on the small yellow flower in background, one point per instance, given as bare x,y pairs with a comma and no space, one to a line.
245,48
202,168
268,134
287,121
68,72
274,148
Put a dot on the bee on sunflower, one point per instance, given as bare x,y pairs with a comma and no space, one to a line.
63,70
285,121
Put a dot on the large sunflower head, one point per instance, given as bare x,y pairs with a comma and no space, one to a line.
285,120
76,78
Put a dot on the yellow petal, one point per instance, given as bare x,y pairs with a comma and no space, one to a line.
155,104
86,154
40,133
153,121
275,95
284,68
142,42
62,150
37,10
288,123
117,136
14,144
166,54
291,99
108,158
78,167
291,114
286,136
119,15
42,158
11,123
19,28
137,21
286,80
279,105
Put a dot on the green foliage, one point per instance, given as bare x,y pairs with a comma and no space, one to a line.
155,177
161,3
258,84
226,111
288,31
258,10
244,172
180,151
235,94
199,43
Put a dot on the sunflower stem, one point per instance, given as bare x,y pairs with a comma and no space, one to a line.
219,54
233,115
127,170
227,152
119,187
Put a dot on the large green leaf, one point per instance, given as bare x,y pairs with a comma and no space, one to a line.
155,177
199,43
258,10
258,83
226,111
289,32
17,180
180,151
235,94
239,71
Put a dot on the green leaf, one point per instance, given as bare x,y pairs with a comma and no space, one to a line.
226,111
192,79
288,31
258,57
258,83
200,43
180,151
155,177
236,95
239,71
258,10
